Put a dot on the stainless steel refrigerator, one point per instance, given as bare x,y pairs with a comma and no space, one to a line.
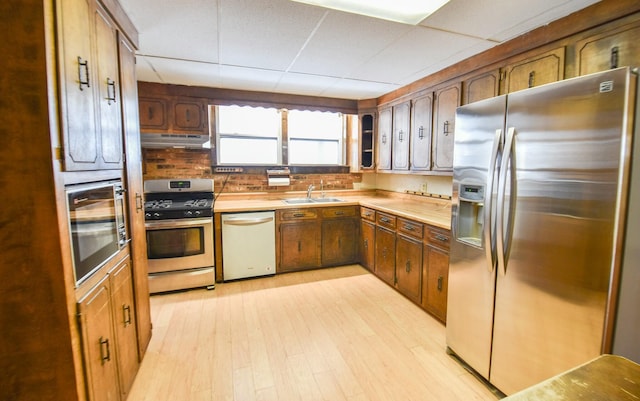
540,197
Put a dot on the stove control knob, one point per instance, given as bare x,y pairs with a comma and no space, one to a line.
156,215
198,213
188,213
147,215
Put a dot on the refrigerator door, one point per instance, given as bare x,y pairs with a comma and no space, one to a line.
561,209
478,141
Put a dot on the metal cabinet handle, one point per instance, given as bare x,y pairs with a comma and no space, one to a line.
111,91
105,351
441,237
366,243
126,314
339,212
385,220
400,136
532,79
440,280
298,215
614,57
409,227
83,79
446,128
299,246
407,266
421,132
384,139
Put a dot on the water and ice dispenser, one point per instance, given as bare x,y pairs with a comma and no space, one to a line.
470,219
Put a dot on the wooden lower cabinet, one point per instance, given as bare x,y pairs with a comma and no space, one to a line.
109,339
300,247
339,235
385,255
409,267
436,272
367,244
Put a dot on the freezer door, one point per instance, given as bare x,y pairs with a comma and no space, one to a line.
479,129
560,213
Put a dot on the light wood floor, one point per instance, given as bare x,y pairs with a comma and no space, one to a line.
330,334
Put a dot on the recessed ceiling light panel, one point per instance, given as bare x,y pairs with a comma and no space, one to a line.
404,11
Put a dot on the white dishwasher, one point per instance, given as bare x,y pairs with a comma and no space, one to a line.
248,244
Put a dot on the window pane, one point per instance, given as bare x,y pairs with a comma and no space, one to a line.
245,120
238,150
314,152
314,124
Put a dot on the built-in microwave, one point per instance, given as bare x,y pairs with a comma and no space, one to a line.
97,225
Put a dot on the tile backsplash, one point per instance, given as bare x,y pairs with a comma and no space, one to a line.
196,163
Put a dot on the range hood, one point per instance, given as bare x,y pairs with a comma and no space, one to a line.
164,140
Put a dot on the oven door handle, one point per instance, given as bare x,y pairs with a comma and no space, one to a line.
176,223
247,222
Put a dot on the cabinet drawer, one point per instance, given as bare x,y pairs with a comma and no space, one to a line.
386,220
338,212
298,214
438,237
367,213
410,228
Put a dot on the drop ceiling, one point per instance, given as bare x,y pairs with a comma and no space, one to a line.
283,46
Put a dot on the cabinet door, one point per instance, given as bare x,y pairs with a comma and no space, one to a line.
125,325
421,133
134,193
400,147
446,101
483,86
535,71
189,116
339,242
385,255
77,82
109,111
300,244
153,114
612,49
366,141
434,292
367,244
409,267
385,126
99,344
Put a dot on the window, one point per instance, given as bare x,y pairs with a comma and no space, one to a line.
248,135
315,137
253,135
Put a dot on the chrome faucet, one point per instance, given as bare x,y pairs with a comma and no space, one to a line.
311,188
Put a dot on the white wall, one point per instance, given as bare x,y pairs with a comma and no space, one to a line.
440,185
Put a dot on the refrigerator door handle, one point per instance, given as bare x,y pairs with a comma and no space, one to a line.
489,207
501,243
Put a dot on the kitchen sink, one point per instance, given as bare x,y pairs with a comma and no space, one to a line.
326,200
299,201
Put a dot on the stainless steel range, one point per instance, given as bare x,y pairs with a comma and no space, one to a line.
179,226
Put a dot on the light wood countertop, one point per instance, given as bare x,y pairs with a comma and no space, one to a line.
436,212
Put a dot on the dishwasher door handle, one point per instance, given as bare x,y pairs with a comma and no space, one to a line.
247,222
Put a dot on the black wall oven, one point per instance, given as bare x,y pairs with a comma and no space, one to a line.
96,225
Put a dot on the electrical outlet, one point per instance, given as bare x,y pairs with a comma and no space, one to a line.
423,187
228,169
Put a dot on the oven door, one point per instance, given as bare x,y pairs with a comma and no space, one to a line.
179,244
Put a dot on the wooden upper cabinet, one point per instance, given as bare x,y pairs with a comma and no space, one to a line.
421,118
446,100
154,113
172,114
77,77
612,49
385,127
401,127
110,127
190,115
480,87
535,71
